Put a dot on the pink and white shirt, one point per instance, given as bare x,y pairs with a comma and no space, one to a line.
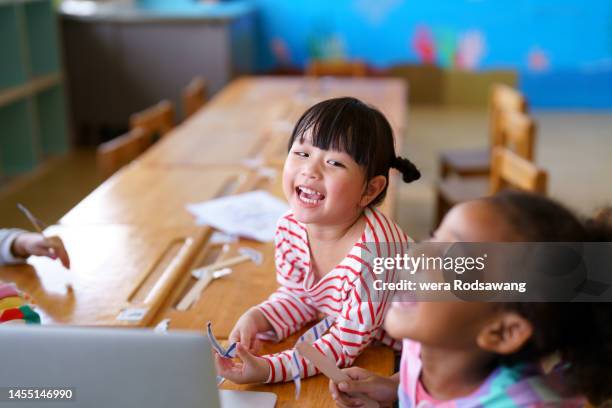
345,294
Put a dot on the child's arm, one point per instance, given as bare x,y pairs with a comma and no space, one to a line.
358,322
7,237
284,312
381,389
16,245
352,331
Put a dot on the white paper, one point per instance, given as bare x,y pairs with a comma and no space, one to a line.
252,215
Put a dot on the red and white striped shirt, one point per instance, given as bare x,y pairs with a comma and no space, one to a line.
344,294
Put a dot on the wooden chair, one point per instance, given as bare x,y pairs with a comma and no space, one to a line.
476,162
510,170
194,96
517,132
319,68
155,121
118,152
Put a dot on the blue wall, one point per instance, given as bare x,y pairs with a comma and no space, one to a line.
562,49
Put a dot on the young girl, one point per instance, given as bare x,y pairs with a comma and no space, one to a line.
336,172
475,354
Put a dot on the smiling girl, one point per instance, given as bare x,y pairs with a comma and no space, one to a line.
336,172
487,354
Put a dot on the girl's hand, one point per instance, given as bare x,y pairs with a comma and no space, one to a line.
381,389
28,243
251,369
247,327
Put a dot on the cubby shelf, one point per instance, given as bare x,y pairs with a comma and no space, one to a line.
33,122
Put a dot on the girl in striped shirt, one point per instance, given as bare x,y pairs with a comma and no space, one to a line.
478,354
336,172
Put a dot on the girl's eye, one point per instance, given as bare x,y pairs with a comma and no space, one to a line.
335,163
301,154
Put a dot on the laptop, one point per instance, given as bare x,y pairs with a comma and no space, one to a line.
104,367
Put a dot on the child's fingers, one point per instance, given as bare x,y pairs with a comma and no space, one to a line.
341,399
60,251
256,347
344,401
245,355
234,336
225,366
52,247
243,337
246,339
357,373
362,381
333,389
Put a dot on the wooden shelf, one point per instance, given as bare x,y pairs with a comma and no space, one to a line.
31,87
32,104
15,2
12,56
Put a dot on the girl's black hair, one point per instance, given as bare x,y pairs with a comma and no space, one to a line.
349,125
580,332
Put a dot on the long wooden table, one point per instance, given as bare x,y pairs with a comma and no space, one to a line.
133,244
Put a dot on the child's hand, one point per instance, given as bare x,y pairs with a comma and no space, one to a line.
381,389
29,243
251,369
247,327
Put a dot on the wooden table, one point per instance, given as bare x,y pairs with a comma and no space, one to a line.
145,195
315,391
133,232
108,263
235,124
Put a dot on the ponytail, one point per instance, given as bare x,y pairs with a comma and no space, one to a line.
409,171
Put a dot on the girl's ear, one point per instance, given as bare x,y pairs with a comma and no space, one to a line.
507,334
373,189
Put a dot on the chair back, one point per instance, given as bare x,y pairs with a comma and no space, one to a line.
503,99
510,170
116,153
194,96
155,121
518,133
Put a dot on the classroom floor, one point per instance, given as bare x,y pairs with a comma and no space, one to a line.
575,148
51,190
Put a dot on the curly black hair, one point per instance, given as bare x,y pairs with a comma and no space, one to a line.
580,332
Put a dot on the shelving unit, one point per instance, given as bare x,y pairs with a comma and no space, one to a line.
33,123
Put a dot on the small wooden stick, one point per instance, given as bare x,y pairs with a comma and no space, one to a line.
165,283
200,285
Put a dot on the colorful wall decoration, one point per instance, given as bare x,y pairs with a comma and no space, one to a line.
562,49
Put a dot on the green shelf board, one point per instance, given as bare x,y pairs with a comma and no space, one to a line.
41,27
53,131
17,150
13,71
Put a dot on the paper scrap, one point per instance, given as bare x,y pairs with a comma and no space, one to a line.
251,215
132,314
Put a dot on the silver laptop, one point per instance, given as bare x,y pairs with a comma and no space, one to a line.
95,367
